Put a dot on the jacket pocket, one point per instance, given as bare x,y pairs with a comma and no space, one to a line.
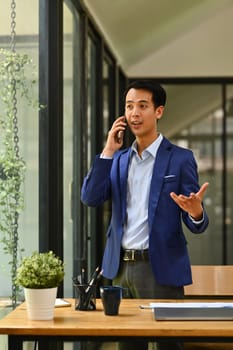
169,178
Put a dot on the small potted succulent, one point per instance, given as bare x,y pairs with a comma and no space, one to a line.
40,274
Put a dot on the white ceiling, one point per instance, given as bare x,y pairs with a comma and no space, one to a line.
168,37
160,38
172,38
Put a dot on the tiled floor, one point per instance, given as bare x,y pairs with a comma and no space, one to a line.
67,346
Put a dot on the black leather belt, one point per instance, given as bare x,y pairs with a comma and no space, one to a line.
135,255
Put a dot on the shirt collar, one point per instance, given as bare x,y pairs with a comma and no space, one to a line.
152,148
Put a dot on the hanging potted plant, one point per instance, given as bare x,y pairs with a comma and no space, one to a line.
40,274
14,83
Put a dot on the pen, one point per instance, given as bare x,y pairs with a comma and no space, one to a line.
83,276
88,291
93,278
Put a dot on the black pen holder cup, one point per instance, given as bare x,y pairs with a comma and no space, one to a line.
85,297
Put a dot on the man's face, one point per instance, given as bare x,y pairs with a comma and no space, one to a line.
141,113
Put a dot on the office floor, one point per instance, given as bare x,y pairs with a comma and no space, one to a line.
67,346
113,346
106,346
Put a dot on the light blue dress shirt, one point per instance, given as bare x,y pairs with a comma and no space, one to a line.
136,231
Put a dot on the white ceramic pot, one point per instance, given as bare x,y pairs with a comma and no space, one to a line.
40,303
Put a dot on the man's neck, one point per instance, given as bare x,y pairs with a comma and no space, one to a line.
143,143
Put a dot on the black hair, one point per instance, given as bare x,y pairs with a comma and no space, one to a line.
158,93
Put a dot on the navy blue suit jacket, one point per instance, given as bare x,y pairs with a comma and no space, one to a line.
175,170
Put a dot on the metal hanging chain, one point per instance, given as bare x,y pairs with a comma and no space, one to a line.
13,25
16,149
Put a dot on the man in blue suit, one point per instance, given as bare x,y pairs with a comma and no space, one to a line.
153,186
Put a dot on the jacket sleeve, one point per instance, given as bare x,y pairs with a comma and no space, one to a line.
190,184
96,188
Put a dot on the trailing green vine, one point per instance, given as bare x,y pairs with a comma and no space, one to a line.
17,78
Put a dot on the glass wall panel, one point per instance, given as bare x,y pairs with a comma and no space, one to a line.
91,96
68,27
229,174
26,42
106,107
107,118
91,143
196,112
71,154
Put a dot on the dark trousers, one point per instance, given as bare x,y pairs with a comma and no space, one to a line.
139,282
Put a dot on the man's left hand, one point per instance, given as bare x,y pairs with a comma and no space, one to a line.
192,203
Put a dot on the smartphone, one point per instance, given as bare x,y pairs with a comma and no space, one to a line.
120,135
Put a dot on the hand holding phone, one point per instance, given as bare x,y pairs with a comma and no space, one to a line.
115,137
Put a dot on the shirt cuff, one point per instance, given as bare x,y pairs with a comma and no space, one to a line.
197,222
102,156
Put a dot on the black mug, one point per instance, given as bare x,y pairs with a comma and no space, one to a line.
111,298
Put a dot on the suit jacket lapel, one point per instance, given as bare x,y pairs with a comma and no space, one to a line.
159,171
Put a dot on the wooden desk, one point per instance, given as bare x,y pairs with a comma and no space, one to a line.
132,322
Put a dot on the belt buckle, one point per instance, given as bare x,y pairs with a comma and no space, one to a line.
126,258
129,255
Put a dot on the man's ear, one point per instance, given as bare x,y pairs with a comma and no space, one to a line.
159,112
